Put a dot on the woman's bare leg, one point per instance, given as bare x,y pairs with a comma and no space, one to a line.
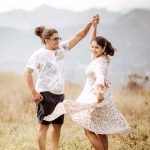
104,140
94,139
42,131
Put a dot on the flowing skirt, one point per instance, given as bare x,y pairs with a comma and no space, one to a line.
100,118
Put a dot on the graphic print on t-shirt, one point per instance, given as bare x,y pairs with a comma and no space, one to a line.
49,66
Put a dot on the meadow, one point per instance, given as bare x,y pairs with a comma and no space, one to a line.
18,122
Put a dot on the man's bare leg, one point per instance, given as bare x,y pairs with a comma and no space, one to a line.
42,132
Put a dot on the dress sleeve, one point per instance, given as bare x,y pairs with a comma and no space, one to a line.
100,71
64,45
33,62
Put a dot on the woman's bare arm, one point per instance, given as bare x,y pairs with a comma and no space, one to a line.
95,23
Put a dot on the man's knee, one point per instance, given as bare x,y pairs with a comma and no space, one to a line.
56,126
43,128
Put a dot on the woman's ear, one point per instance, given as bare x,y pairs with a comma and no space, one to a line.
103,50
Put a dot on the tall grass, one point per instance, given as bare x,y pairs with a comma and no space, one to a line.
18,123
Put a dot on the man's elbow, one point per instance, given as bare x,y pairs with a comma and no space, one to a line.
83,35
27,72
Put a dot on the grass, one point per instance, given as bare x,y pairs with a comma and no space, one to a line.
18,123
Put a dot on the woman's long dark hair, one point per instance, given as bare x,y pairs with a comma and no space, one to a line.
104,43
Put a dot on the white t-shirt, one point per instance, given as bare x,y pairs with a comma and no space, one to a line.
50,67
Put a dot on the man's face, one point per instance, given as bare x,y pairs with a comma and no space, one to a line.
53,41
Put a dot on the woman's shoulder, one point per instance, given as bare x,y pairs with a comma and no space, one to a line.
101,60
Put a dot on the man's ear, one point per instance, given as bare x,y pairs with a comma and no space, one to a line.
46,40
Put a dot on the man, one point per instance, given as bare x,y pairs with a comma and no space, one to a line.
48,61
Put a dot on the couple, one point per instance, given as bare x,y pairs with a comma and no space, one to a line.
93,109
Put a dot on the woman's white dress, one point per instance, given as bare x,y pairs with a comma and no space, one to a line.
101,118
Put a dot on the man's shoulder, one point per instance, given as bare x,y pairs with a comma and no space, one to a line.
64,45
38,51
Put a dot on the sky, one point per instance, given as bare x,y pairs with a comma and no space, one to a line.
76,5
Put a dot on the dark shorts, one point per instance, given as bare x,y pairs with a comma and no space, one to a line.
46,107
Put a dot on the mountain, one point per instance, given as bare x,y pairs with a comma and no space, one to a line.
50,16
128,32
138,18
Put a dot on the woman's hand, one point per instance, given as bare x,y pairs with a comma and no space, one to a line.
37,97
95,20
100,93
100,97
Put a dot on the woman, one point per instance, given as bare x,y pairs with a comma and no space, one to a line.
48,61
94,109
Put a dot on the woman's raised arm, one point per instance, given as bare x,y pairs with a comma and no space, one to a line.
95,23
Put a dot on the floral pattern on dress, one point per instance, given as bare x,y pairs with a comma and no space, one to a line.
101,118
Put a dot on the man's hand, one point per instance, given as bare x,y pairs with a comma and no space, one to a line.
37,97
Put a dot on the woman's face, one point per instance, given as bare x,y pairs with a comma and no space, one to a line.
53,41
96,49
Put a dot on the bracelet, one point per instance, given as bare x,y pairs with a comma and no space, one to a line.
102,92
